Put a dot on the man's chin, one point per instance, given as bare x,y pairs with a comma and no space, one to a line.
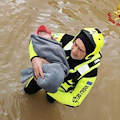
75,58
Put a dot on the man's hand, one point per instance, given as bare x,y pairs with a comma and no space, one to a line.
37,66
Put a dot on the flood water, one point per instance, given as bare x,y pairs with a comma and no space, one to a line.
19,18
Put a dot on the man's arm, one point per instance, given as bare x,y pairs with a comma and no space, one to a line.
36,61
79,93
32,53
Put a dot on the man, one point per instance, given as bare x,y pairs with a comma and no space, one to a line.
83,55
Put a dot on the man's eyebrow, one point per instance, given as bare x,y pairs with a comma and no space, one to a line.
79,47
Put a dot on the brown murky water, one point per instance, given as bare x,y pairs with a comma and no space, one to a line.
18,18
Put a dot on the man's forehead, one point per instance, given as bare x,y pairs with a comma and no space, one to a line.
78,41
80,44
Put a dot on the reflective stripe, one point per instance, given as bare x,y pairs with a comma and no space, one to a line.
83,69
91,68
96,61
68,46
86,67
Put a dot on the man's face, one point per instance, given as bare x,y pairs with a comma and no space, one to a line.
78,50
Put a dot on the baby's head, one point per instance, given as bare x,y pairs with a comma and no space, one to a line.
44,34
43,31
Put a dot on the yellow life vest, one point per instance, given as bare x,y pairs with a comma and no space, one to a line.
83,68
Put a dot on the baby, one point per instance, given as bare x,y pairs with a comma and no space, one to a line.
48,48
43,31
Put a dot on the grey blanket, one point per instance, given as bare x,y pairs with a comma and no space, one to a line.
56,71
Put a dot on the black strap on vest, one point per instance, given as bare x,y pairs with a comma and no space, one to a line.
76,75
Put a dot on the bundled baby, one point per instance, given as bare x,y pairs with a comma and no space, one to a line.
46,47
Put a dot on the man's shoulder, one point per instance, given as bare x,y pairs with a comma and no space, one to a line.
66,39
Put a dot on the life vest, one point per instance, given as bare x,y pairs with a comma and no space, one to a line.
81,69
